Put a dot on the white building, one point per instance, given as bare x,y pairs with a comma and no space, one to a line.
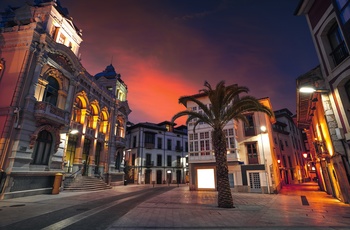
156,153
251,162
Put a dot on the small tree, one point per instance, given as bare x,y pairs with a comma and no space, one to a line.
226,105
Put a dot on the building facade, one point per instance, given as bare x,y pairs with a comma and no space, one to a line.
250,153
324,112
157,154
55,118
289,148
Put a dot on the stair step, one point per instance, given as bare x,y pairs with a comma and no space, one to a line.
85,183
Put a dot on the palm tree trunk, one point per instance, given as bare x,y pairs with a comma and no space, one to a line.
223,186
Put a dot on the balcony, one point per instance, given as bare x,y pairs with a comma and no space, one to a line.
47,113
208,157
148,164
178,148
339,53
149,145
120,141
101,136
90,132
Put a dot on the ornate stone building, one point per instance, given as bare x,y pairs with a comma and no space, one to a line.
54,116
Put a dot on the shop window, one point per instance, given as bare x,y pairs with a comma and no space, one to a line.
42,149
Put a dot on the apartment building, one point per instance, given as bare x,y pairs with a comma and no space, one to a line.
323,95
289,148
250,153
157,153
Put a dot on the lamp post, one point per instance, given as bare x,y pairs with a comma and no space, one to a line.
305,155
263,130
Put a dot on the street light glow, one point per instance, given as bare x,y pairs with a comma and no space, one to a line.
74,131
307,90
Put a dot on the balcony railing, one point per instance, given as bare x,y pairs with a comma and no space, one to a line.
101,136
47,112
206,157
120,140
339,53
178,148
149,145
148,164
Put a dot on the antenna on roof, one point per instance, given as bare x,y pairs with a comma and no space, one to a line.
112,60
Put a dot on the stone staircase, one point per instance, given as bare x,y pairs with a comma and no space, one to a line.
85,183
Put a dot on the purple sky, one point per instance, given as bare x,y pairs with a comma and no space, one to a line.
165,49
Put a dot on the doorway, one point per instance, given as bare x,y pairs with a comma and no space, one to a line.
148,176
159,176
254,179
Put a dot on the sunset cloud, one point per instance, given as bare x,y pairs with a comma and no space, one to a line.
258,44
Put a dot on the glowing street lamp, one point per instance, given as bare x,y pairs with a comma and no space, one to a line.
309,89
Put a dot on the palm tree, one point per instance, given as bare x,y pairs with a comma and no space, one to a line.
226,105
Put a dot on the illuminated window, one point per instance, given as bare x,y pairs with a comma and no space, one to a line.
104,122
61,39
206,179
42,149
54,31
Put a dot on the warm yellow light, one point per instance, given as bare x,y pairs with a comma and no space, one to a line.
74,131
304,155
263,128
206,178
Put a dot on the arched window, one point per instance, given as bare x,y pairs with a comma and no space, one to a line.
42,149
51,91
